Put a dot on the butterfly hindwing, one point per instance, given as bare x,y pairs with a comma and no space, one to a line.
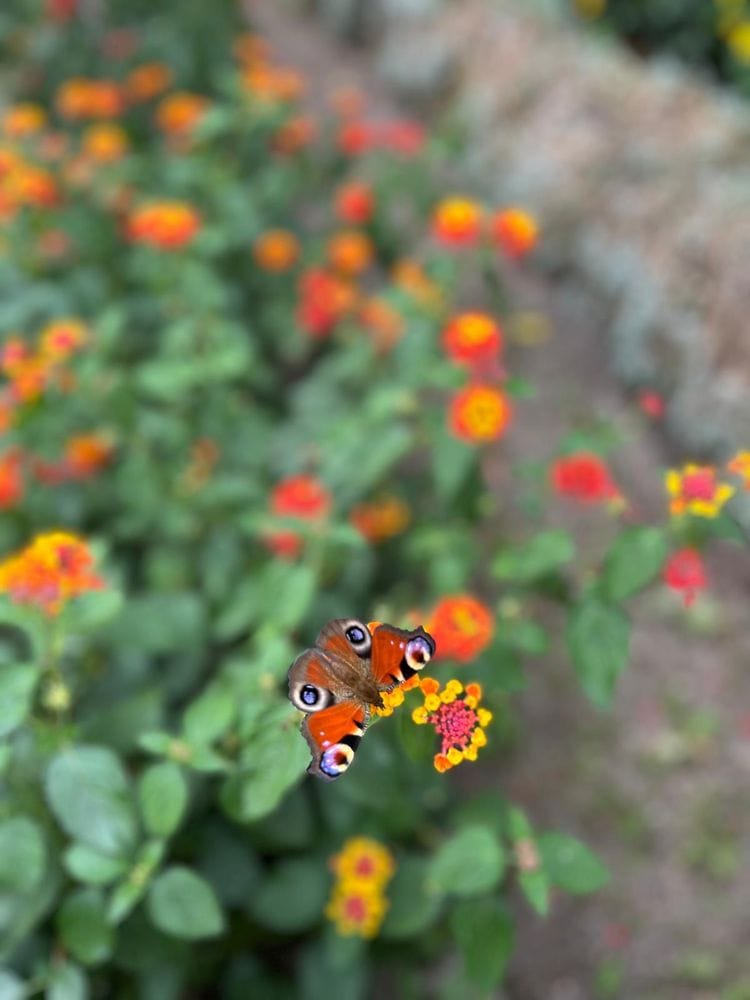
398,654
333,735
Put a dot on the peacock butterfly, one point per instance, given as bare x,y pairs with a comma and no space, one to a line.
338,682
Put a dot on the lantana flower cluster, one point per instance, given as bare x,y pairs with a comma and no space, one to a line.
51,570
358,904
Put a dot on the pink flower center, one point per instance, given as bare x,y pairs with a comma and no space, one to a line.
699,485
364,867
455,723
355,909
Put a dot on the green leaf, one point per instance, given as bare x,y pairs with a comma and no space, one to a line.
273,760
633,561
452,463
83,927
484,934
598,638
163,796
541,555
66,982
183,904
524,636
413,906
469,863
535,887
23,856
292,896
210,715
88,792
17,683
92,867
160,623
11,987
570,864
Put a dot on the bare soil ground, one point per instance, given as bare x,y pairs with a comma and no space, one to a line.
660,787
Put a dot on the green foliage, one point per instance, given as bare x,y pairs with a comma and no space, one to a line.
153,770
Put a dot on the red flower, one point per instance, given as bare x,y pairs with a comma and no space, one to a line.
355,203
686,573
461,626
324,300
652,404
514,231
472,338
583,476
479,413
299,496
11,478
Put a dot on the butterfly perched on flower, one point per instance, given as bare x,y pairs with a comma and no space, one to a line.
340,680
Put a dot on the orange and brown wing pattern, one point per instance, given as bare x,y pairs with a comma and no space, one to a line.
398,654
333,735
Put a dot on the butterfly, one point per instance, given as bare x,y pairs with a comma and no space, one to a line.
338,682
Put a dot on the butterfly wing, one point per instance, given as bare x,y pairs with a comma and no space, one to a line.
397,654
333,735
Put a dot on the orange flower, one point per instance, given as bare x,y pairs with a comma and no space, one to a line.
356,910
105,143
324,300
365,860
272,84
276,250
350,252
30,185
50,571
457,222
479,413
694,489
204,455
382,519
472,338
251,49
354,203
583,476
294,135
148,81
514,231
462,626
166,225
61,338
11,478
384,322
180,113
81,97
85,454
409,275
22,120
740,466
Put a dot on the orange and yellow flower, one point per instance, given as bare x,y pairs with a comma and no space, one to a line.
166,225
105,142
462,627
410,276
383,320
51,570
294,135
324,300
514,231
458,718
63,337
81,97
85,454
350,252
276,250
363,859
739,465
148,81
695,489
479,413
181,112
472,337
22,120
381,519
457,222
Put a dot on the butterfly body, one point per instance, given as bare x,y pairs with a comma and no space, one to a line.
338,682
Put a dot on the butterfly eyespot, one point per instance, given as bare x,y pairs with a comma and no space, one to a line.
309,697
419,652
336,760
359,636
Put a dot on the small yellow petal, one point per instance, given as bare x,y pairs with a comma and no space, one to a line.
471,753
470,702
448,696
484,716
455,756
479,738
419,715
673,482
432,703
455,686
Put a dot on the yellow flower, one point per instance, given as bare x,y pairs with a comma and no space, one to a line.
694,489
356,911
364,860
740,466
738,41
